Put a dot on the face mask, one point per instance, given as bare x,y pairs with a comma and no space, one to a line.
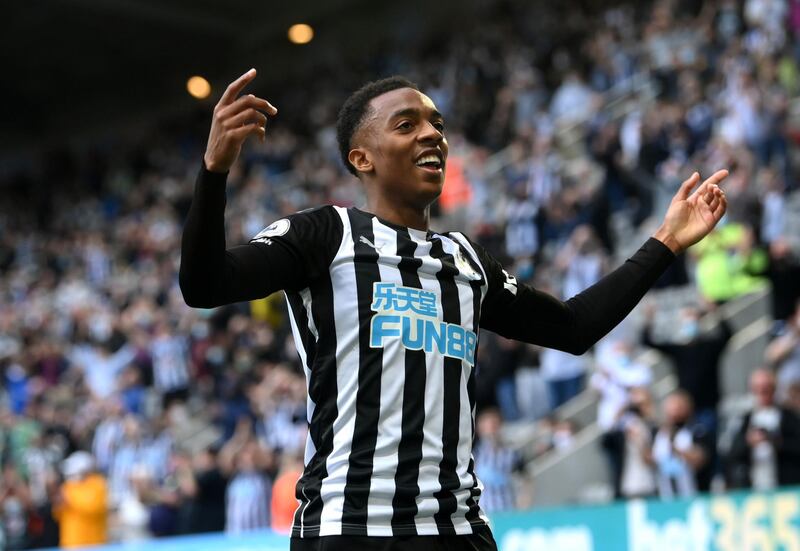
562,439
688,330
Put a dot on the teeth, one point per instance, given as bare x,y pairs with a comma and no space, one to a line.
428,159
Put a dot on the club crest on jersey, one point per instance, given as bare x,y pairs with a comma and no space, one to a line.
465,267
460,260
276,229
411,315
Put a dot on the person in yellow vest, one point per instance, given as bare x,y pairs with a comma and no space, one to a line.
82,510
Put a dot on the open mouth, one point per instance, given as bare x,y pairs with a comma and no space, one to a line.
430,163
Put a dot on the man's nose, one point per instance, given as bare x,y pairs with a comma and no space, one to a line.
430,133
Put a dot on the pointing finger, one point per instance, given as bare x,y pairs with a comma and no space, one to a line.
235,87
716,178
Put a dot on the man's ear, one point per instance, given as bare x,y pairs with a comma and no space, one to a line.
360,159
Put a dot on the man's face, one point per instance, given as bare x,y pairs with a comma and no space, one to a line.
402,144
762,385
677,410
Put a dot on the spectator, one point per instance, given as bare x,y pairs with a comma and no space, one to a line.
695,356
82,510
615,380
169,354
564,375
681,449
784,275
783,353
495,464
138,455
563,437
249,492
766,450
284,502
792,401
15,504
638,477
108,434
202,485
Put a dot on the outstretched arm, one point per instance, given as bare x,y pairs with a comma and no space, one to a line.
523,313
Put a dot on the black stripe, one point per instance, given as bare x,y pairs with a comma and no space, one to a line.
409,452
368,397
451,401
322,389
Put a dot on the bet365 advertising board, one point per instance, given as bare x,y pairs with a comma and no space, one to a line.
738,521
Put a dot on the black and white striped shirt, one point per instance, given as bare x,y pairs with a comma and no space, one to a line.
388,338
247,502
496,464
386,321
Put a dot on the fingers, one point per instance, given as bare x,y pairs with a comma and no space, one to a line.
249,101
687,186
721,207
235,119
714,200
704,189
716,178
246,117
711,183
243,103
243,132
235,87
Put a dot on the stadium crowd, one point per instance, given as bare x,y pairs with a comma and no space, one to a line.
125,414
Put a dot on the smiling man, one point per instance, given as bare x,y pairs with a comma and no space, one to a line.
386,315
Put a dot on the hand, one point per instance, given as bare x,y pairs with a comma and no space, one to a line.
690,218
755,437
234,120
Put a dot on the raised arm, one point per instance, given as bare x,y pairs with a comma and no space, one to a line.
209,274
521,312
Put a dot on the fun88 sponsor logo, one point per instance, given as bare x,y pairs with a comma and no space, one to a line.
410,315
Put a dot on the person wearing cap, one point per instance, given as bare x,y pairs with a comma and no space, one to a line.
82,508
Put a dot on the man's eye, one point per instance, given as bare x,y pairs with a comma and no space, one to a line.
405,125
439,126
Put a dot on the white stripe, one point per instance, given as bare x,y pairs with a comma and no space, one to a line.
310,405
298,341
306,295
343,281
428,479
390,420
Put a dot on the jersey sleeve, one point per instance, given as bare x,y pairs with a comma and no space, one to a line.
305,243
519,311
287,254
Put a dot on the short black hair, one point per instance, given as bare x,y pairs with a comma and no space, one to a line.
355,108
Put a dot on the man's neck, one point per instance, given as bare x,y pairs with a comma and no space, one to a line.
402,215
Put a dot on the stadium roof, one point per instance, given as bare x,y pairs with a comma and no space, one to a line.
72,65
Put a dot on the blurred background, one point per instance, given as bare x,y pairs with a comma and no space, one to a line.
127,416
